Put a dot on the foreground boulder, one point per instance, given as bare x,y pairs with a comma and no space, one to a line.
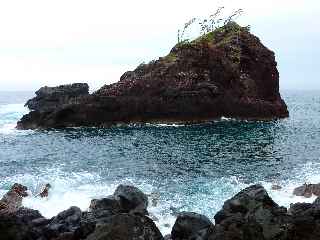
127,227
21,225
305,221
191,226
228,72
251,215
125,199
120,216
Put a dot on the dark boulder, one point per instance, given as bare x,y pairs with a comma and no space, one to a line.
127,227
23,224
69,224
306,190
125,199
228,72
103,208
305,221
191,226
251,214
131,199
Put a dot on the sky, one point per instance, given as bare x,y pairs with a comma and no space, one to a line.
95,41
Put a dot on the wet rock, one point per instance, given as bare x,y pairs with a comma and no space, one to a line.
276,187
67,222
12,200
316,189
306,190
127,227
131,199
191,226
251,214
109,205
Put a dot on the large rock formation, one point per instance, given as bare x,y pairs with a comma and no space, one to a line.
228,72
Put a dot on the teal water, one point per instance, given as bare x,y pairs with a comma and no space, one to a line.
192,168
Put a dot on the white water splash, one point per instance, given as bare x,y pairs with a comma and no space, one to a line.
9,115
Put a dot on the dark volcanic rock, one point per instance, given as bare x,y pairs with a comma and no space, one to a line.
125,199
191,226
131,199
251,215
127,227
306,190
228,72
21,225
50,98
67,221
305,221
104,207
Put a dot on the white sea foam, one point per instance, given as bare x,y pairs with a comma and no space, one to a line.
165,124
9,115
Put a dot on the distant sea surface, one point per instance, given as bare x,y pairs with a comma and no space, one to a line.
189,168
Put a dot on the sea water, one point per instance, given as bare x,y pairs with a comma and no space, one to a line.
186,168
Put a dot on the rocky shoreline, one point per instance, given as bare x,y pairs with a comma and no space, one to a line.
225,73
249,215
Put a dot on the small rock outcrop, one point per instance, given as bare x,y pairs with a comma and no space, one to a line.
228,72
12,200
306,190
50,98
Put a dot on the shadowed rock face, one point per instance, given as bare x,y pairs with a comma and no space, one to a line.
50,98
228,72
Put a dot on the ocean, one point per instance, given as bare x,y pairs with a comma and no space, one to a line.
186,168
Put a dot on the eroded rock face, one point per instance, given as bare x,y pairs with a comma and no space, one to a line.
50,98
228,73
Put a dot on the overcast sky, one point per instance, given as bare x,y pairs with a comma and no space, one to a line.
63,41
